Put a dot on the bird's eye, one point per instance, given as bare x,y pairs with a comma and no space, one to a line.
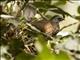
60,19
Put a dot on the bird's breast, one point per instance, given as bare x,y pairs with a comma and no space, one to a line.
47,27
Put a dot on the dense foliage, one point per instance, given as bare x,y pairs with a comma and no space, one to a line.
23,41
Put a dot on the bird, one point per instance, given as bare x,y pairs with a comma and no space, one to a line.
50,27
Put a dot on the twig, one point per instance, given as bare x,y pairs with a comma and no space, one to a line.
25,3
78,29
38,11
68,26
42,15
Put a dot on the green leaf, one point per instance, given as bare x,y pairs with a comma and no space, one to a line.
62,56
46,54
43,5
15,46
60,11
60,2
24,56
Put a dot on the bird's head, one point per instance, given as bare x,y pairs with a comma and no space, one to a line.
57,18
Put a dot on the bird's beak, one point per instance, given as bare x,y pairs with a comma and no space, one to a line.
61,19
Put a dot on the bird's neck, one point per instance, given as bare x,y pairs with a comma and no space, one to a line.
54,21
